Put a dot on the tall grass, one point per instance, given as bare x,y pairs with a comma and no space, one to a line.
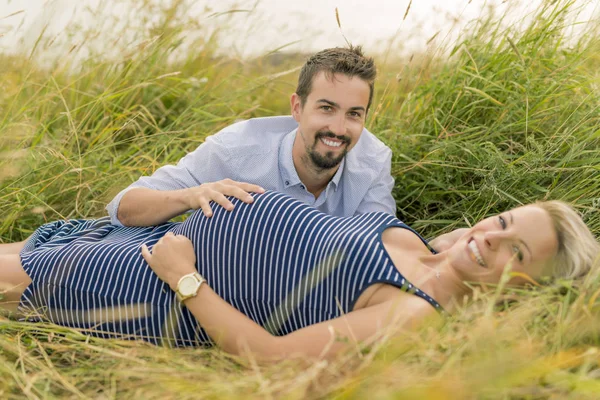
504,116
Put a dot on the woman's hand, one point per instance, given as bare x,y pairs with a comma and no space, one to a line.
172,257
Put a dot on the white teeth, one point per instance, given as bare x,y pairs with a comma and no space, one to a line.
331,143
473,246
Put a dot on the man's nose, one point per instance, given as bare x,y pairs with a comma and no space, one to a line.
338,125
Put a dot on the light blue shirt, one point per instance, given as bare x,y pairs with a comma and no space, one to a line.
259,151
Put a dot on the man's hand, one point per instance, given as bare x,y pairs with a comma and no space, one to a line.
171,258
199,197
447,240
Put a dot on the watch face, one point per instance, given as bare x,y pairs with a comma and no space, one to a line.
188,286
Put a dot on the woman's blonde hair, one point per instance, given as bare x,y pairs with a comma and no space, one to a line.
578,250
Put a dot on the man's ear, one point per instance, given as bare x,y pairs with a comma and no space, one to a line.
296,106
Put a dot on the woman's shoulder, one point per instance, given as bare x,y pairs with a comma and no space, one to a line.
406,307
402,236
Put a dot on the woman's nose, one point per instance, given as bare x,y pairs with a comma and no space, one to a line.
493,239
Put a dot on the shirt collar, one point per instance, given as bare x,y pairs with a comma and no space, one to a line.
286,163
338,175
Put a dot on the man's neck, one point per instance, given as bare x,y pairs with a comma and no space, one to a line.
313,178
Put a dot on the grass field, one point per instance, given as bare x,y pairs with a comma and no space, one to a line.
505,116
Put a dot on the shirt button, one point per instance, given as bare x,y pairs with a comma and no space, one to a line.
302,186
287,183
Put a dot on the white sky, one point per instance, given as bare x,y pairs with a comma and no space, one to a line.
272,23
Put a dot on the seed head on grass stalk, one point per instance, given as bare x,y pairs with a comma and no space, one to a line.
337,18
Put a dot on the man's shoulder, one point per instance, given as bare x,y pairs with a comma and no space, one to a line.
369,150
256,135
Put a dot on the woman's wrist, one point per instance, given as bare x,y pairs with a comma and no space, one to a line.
177,275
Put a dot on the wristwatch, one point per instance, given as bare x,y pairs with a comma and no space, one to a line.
188,286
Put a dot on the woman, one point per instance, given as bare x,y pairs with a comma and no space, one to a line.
276,277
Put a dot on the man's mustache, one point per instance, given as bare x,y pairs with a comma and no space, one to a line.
328,134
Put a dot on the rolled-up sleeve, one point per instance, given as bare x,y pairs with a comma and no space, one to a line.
208,163
379,195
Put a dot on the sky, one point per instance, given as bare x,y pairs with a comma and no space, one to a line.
265,25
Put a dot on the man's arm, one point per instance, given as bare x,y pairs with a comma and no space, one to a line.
144,207
196,180
447,240
379,198
379,195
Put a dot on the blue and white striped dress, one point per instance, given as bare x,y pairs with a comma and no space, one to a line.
280,262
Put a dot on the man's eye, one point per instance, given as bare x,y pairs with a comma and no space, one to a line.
502,221
326,108
355,114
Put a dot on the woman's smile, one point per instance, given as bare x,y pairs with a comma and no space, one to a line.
475,253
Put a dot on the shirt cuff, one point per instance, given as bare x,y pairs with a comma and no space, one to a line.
113,206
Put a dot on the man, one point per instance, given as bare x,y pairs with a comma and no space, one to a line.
321,155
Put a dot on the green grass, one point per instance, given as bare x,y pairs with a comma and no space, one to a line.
512,116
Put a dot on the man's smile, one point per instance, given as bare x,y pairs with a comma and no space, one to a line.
331,142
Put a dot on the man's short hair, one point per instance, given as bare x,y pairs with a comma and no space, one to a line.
338,60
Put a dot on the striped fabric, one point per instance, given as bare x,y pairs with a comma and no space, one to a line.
283,264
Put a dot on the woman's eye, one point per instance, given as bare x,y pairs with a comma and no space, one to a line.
518,253
502,221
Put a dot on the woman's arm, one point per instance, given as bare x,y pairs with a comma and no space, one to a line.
173,256
237,334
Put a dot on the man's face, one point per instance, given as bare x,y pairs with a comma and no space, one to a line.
331,120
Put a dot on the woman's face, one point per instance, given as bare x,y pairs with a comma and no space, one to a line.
524,236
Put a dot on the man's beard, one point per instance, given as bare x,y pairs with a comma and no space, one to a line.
327,160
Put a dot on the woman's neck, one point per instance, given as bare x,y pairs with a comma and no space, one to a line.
431,273
443,284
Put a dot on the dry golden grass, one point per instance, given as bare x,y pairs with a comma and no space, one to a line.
510,117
